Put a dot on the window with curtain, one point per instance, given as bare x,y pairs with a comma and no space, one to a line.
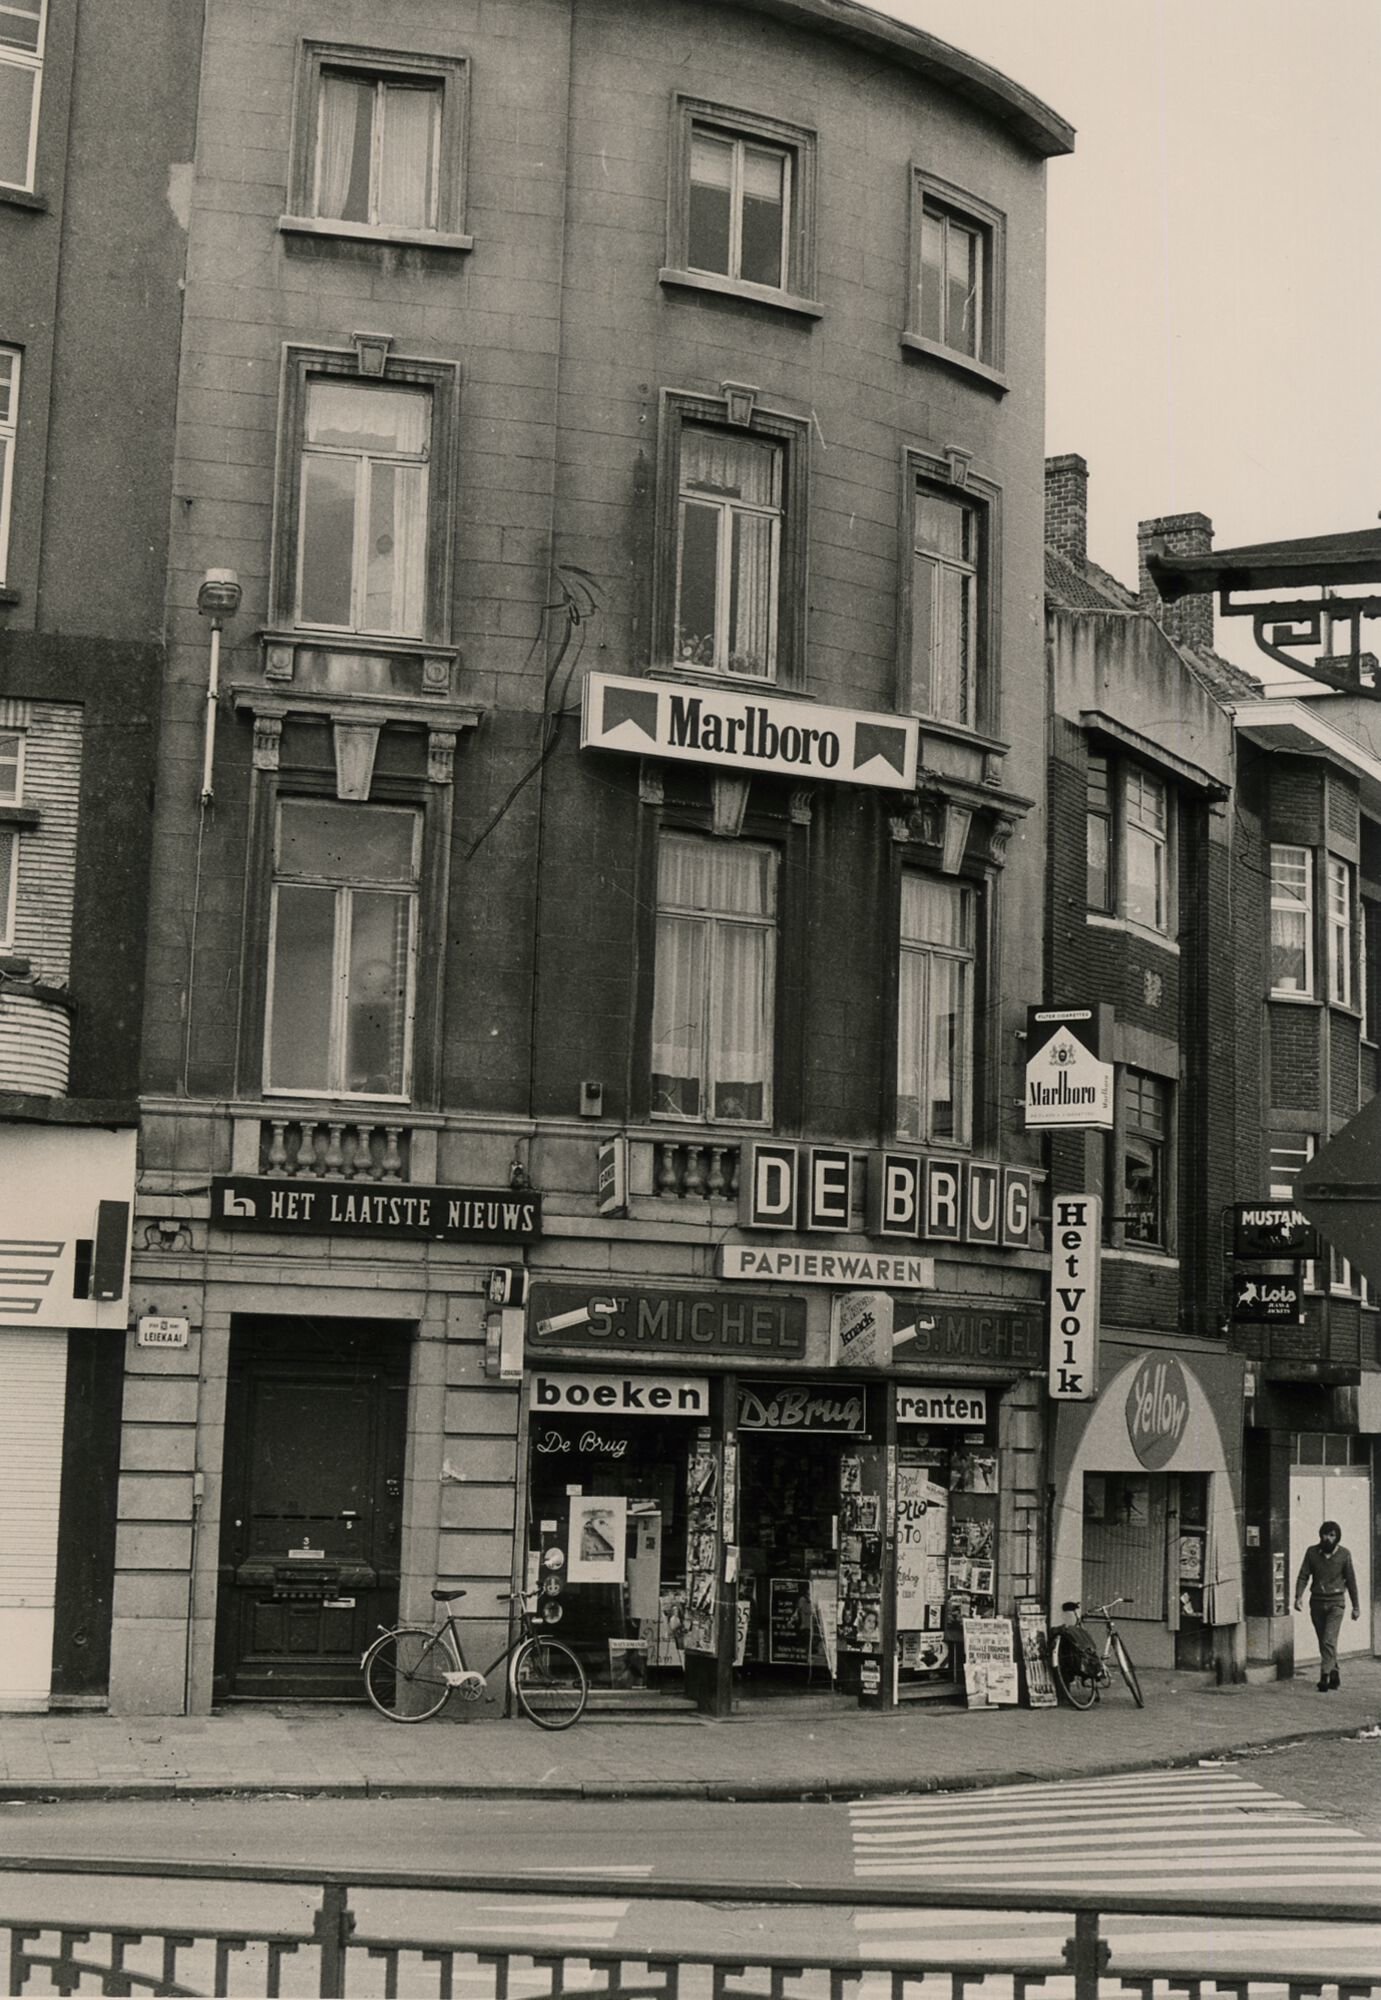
1100,834
1144,1122
951,290
378,143
9,432
1146,845
935,1011
342,949
362,511
738,207
728,551
21,78
714,980
1292,920
946,555
1339,932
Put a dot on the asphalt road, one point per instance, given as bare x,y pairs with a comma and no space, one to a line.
1303,1824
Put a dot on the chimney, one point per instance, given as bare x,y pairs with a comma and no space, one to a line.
1066,506
1190,621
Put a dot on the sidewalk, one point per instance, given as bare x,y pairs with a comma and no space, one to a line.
787,1751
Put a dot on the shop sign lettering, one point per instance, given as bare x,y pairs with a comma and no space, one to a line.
799,1406
942,1406
590,1444
910,1196
566,1316
946,1330
622,1395
408,1212
1272,1229
1157,1410
1074,1269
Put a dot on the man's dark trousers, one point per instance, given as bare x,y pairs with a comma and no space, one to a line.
1327,1614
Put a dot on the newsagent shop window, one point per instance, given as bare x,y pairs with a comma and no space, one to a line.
342,950
935,1010
714,982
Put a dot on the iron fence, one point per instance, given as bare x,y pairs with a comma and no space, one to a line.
324,1950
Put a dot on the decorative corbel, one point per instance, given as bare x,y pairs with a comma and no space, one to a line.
441,756
802,804
739,398
651,787
728,802
355,746
268,740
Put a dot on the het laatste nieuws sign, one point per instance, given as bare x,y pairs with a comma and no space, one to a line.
348,1210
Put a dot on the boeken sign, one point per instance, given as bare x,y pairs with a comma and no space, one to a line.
1067,1082
746,731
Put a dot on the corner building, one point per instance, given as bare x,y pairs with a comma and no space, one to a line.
623,868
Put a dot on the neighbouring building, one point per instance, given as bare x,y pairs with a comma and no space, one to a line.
94,165
619,860
1306,902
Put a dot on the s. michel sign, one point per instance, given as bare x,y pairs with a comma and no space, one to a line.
742,730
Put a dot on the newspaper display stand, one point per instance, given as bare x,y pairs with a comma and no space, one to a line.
1031,1636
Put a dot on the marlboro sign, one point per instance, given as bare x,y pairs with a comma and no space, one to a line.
1067,1082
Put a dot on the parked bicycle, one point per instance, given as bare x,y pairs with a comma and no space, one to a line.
1080,1667
411,1671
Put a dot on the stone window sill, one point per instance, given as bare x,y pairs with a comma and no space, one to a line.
964,364
738,288
368,232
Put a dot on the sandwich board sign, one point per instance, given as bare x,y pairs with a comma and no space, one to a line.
1067,1082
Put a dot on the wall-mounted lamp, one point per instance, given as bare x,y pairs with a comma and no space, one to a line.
218,599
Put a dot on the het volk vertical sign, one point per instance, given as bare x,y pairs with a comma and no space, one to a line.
1074,1271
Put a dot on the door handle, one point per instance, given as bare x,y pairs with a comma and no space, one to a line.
349,1513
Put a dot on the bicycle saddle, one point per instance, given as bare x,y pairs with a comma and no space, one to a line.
446,1596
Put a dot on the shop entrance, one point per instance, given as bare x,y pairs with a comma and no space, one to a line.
788,1581
1331,1481
312,1505
1146,1539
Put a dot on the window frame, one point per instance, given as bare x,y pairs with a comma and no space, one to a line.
1280,1179
301,366
1307,991
16,796
798,144
952,204
451,73
967,955
1120,772
923,470
9,449
681,410
339,998
713,923
1369,968
1338,931
31,62
1124,1128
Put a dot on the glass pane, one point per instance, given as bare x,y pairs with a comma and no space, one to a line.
7,872
935,912
922,630
939,525
407,166
708,219
9,755
1145,800
1145,878
395,552
1289,966
1290,875
932,276
949,1049
344,141
911,1004
20,22
17,89
301,989
949,660
327,540
359,418
764,213
961,290
717,877
1141,1201
752,593
739,1060
1099,843
697,592
678,1017
341,843
9,374
737,468
377,994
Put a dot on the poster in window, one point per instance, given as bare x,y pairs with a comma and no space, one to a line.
978,1472
599,1538
789,1621
1191,1558
628,1663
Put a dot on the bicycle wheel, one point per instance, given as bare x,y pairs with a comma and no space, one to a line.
1068,1664
550,1683
1127,1670
405,1673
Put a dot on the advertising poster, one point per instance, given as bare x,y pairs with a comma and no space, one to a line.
702,1537
599,1538
789,1618
1040,1687
824,1601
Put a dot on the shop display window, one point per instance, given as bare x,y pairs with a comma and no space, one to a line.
789,1508
946,1552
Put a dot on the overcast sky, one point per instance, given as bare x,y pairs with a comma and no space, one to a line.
1214,334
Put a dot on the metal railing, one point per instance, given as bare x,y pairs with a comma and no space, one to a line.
327,1954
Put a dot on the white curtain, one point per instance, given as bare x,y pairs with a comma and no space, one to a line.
678,1028
344,102
740,1061
714,977
407,157
396,548
742,478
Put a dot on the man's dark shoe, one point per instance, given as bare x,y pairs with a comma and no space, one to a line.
1324,1684
1334,1683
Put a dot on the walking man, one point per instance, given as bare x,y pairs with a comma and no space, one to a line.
1327,1569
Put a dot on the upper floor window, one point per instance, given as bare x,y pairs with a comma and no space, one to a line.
21,77
935,1011
741,204
1339,932
715,979
11,794
947,562
342,949
731,555
1291,1153
1130,823
957,274
11,767
362,536
1145,1132
1292,920
1369,972
379,144
9,431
